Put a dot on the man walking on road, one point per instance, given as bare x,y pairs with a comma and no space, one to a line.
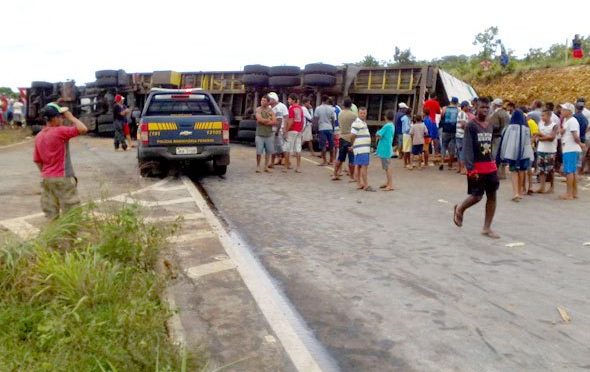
345,119
265,119
281,114
120,113
481,168
293,130
52,156
326,119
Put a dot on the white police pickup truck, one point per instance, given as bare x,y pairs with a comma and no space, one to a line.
181,125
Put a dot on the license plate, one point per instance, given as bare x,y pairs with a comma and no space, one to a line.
186,150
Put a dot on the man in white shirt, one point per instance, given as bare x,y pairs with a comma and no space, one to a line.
17,113
571,147
308,127
282,115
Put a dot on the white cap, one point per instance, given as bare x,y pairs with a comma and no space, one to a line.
568,106
402,105
497,102
273,95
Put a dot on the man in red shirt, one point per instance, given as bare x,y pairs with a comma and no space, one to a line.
293,131
433,107
52,156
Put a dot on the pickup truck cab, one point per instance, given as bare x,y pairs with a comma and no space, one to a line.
180,125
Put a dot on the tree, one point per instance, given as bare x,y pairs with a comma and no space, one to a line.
488,40
535,54
5,91
369,61
403,57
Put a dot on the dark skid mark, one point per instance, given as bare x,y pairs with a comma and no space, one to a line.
480,333
502,308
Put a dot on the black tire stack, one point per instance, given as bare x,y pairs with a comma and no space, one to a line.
111,80
247,131
40,94
284,76
255,75
319,75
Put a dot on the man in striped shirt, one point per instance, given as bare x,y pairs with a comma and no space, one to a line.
361,147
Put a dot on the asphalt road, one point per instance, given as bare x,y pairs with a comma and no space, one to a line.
387,282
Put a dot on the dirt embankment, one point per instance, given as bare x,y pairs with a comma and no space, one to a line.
549,84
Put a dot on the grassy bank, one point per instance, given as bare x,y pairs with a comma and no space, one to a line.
85,295
8,135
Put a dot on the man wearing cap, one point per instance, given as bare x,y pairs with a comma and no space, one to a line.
498,119
282,115
52,156
120,113
571,147
448,122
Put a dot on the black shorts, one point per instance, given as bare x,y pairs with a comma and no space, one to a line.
485,183
343,152
417,149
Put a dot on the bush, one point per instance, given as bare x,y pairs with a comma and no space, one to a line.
85,295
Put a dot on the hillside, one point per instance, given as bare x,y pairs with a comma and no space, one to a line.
556,84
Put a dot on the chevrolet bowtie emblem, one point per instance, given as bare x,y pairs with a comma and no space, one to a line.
186,133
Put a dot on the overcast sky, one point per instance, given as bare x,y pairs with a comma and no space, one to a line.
58,39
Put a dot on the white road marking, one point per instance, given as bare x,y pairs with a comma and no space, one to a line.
20,227
200,234
306,353
185,217
316,163
175,327
196,272
150,203
170,188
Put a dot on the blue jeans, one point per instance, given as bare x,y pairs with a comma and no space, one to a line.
326,135
459,148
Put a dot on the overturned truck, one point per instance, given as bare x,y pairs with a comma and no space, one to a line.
238,92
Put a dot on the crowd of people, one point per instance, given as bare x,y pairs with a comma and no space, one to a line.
484,137
12,112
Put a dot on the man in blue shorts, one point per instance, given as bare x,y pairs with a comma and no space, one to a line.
361,147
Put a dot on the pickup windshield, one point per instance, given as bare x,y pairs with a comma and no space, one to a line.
180,104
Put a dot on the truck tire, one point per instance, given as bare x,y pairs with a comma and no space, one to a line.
219,169
247,125
41,85
320,68
284,81
285,71
105,128
257,80
36,128
256,69
108,81
319,80
246,135
105,73
105,119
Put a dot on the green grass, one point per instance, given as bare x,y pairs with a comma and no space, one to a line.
8,135
85,296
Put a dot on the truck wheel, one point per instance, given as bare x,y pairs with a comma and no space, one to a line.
105,129
246,135
284,71
256,69
247,125
284,81
107,81
105,119
219,169
145,168
41,85
256,80
320,68
105,73
319,80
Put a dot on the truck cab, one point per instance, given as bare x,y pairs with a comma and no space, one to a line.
181,125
